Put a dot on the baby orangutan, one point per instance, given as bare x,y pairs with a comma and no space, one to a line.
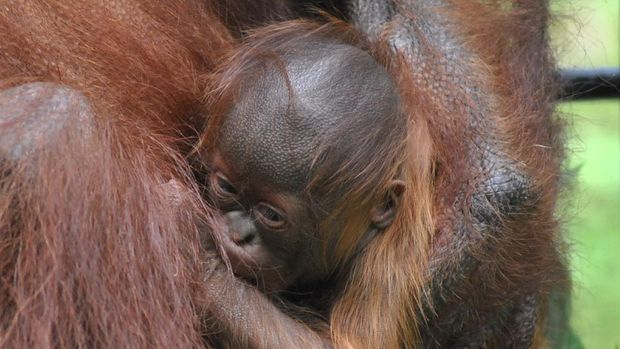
307,123
306,154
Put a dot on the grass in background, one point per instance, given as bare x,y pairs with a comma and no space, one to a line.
594,222
589,36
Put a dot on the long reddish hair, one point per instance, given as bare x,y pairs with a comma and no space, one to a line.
98,234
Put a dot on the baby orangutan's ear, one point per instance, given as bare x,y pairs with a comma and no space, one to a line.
382,215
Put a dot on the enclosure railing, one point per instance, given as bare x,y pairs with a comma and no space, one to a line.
590,83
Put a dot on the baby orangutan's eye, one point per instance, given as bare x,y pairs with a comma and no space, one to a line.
270,216
221,188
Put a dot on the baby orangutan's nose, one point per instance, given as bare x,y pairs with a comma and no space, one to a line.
242,229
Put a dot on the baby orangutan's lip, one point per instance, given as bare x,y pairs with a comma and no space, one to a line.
241,261
244,267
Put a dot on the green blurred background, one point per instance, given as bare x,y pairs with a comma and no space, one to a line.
587,34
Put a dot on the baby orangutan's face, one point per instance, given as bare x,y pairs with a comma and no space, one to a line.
270,234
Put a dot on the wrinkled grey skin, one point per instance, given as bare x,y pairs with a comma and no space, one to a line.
34,114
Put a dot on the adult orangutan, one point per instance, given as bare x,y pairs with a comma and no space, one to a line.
100,217
98,103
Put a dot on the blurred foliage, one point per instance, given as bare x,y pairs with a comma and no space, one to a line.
586,34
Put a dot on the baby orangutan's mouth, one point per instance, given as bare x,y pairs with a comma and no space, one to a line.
244,266
242,263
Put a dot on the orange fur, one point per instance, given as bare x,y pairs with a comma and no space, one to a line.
102,255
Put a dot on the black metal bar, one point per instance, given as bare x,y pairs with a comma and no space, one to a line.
590,83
